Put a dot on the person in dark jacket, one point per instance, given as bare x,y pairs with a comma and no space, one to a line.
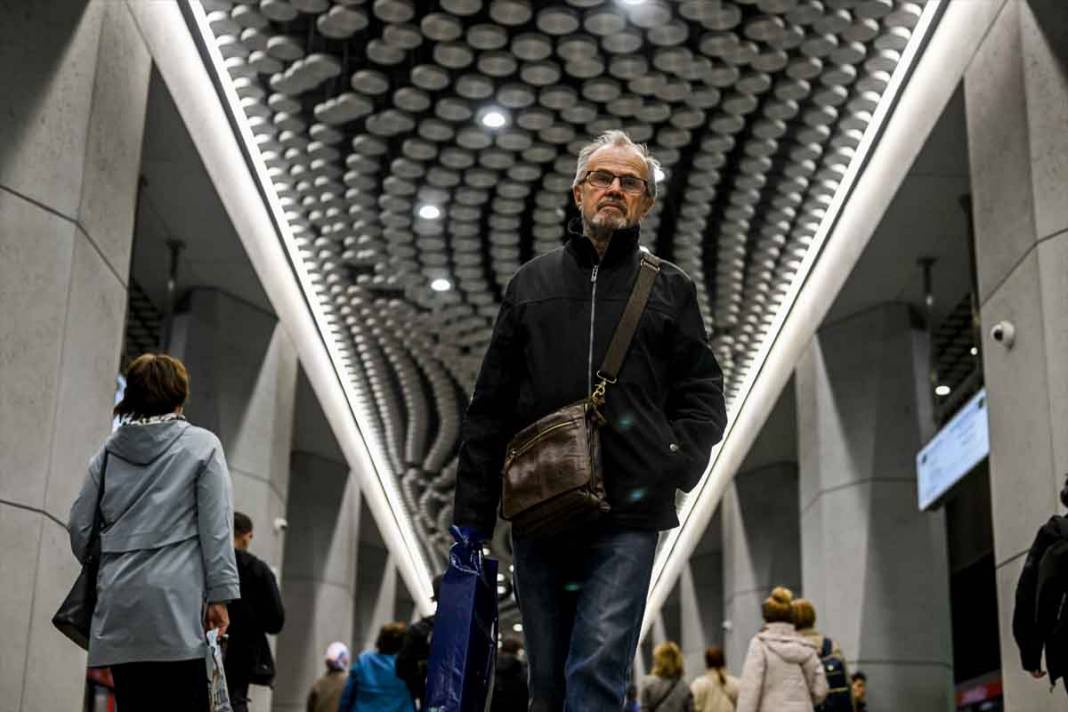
582,591
248,658
510,678
414,654
1037,621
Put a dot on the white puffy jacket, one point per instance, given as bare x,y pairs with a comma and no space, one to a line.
782,673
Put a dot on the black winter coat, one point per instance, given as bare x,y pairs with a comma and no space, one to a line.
1037,625
258,612
664,414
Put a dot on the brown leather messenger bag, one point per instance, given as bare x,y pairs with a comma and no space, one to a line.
552,475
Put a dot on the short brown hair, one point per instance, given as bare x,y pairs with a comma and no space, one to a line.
776,608
714,658
804,613
667,660
391,638
156,384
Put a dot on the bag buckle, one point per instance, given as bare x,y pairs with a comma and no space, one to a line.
599,390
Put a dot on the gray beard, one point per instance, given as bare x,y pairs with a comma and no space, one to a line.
600,229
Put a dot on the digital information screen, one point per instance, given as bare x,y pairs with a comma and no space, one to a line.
959,446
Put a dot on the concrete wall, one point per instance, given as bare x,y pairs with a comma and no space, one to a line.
1016,93
74,93
873,564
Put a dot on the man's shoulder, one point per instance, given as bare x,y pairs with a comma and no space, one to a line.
252,563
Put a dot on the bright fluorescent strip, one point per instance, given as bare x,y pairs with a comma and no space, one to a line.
166,34
696,512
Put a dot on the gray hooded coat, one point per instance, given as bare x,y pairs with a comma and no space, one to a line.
167,547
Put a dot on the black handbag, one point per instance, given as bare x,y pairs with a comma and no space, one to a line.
75,615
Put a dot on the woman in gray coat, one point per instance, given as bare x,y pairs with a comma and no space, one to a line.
167,563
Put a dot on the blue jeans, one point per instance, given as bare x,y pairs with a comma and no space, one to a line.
582,598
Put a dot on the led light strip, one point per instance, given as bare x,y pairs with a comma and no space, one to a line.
380,463
710,489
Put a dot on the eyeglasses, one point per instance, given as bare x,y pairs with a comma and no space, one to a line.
628,184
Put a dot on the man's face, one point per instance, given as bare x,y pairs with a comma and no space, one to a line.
242,541
858,689
612,208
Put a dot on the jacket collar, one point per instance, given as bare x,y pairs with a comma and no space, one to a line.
623,244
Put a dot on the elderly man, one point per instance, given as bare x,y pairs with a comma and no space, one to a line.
582,589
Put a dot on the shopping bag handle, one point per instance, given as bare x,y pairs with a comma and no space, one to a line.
466,553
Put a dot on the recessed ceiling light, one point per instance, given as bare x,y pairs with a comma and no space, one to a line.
494,119
633,2
430,212
658,174
518,627
942,390
975,351
441,285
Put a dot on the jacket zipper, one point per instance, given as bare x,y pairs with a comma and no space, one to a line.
593,312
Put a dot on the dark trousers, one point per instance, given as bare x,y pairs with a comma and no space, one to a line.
582,597
180,686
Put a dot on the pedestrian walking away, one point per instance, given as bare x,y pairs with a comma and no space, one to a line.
782,671
373,685
325,695
1040,618
839,690
716,690
664,689
167,567
248,657
581,583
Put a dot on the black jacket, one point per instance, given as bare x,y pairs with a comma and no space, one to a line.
258,612
1038,624
664,415
411,665
509,684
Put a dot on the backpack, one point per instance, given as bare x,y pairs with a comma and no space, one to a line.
840,695
1051,611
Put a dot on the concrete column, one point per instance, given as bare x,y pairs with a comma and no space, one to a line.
71,150
243,376
385,607
1016,93
873,564
320,573
694,637
760,550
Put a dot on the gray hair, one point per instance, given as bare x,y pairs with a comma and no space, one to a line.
615,137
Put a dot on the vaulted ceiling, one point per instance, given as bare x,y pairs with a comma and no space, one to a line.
423,149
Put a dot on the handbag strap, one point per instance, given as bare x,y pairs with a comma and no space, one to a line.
628,324
98,515
656,705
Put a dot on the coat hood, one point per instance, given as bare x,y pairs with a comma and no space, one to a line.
782,640
141,444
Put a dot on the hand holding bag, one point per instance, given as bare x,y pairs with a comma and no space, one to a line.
75,615
463,647
552,474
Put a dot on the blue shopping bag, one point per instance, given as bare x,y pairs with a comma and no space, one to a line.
464,644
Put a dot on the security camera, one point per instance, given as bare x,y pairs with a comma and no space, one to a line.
280,524
1004,333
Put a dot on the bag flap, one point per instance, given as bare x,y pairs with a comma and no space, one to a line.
547,458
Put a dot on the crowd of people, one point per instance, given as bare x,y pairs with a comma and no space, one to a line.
790,667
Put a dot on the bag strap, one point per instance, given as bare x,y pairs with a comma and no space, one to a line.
827,648
656,705
98,515
628,324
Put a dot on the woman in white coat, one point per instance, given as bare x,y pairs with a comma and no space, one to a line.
782,671
167,563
